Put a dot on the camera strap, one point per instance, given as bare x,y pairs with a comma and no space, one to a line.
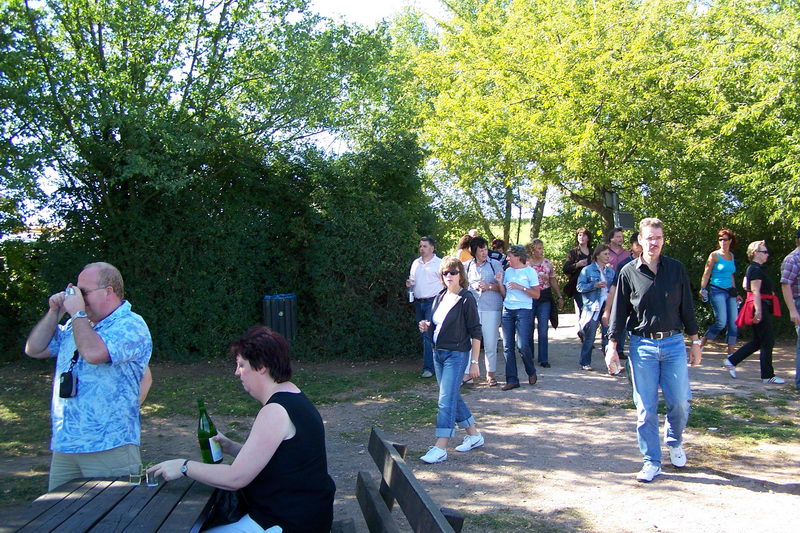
73,361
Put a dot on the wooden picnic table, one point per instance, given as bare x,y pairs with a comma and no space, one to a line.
110,505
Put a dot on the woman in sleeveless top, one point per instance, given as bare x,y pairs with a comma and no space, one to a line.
282,467
718,277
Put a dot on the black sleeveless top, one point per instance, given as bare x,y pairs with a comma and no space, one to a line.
294,490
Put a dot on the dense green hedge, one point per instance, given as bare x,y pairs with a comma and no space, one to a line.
198,259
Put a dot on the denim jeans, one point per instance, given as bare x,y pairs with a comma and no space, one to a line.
663,363
797,354
725,312
449,367
764,340
589,333
541,315
424,312
517,321
490,328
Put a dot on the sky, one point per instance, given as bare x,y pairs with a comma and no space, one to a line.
368,12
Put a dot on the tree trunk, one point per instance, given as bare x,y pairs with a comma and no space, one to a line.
537,216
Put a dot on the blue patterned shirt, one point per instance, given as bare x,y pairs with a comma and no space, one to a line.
105,412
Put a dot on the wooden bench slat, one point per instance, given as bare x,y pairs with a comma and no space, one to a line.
376,515
21,517
346,525
160,506
71,503
188,515
422,513
88,515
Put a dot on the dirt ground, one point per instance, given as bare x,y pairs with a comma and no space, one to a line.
562,455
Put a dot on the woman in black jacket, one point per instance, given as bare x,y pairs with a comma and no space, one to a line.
457,332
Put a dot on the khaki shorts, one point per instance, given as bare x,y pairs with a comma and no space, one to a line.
110,463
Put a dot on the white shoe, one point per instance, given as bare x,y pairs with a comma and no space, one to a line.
730,367
470,442
434,455
426,374
677,456
774,379
648,472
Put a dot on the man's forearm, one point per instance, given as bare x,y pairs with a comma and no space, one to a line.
88,342
786,290
39,338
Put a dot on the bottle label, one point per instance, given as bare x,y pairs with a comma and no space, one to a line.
216,450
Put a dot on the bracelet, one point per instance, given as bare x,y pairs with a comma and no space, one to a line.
474,362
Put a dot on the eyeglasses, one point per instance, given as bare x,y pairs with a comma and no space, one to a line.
451,272
85,292
763,251
723,239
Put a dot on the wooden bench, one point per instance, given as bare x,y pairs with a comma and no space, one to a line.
399,484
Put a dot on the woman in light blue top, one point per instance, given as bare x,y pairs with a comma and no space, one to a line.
593,284
519,289
718,276
485,276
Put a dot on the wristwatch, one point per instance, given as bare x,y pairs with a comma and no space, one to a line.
185,468
697,342
473,362
80,314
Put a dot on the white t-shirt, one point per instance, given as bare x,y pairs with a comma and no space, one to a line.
445,305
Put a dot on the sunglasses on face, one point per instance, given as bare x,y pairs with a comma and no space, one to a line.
723,239
451,272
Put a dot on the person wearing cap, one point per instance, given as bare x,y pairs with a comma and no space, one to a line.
654,301
106,347
425,282
790,288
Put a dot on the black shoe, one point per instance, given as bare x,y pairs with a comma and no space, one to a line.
623,356
544,365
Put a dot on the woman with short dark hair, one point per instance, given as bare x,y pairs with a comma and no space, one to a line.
282,467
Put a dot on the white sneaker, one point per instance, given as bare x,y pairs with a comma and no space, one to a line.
470,442
434,455
774,379
730,367
648,472
677,456
426,374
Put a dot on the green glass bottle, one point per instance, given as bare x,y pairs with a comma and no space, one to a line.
210,449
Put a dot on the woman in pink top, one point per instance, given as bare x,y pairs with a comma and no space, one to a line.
549,288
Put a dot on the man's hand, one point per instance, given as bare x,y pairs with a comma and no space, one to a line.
612,359
73,300
695,355
56,303
409,284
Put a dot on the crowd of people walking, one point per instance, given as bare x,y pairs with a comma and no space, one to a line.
633,295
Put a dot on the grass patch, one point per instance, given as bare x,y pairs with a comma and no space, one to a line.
743,417
22,489
24,412
512,521
176,395
408,411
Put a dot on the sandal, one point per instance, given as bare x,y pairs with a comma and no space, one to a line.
492,382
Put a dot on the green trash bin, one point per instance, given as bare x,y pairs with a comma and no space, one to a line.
280,314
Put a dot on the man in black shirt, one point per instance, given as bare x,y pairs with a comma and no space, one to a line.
653,297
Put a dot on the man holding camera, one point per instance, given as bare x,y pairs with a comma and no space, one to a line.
102,374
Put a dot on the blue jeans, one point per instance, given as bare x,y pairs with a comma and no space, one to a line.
797,355
541,315
449,366
725,312
589,333
518,321
655,363
424,312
